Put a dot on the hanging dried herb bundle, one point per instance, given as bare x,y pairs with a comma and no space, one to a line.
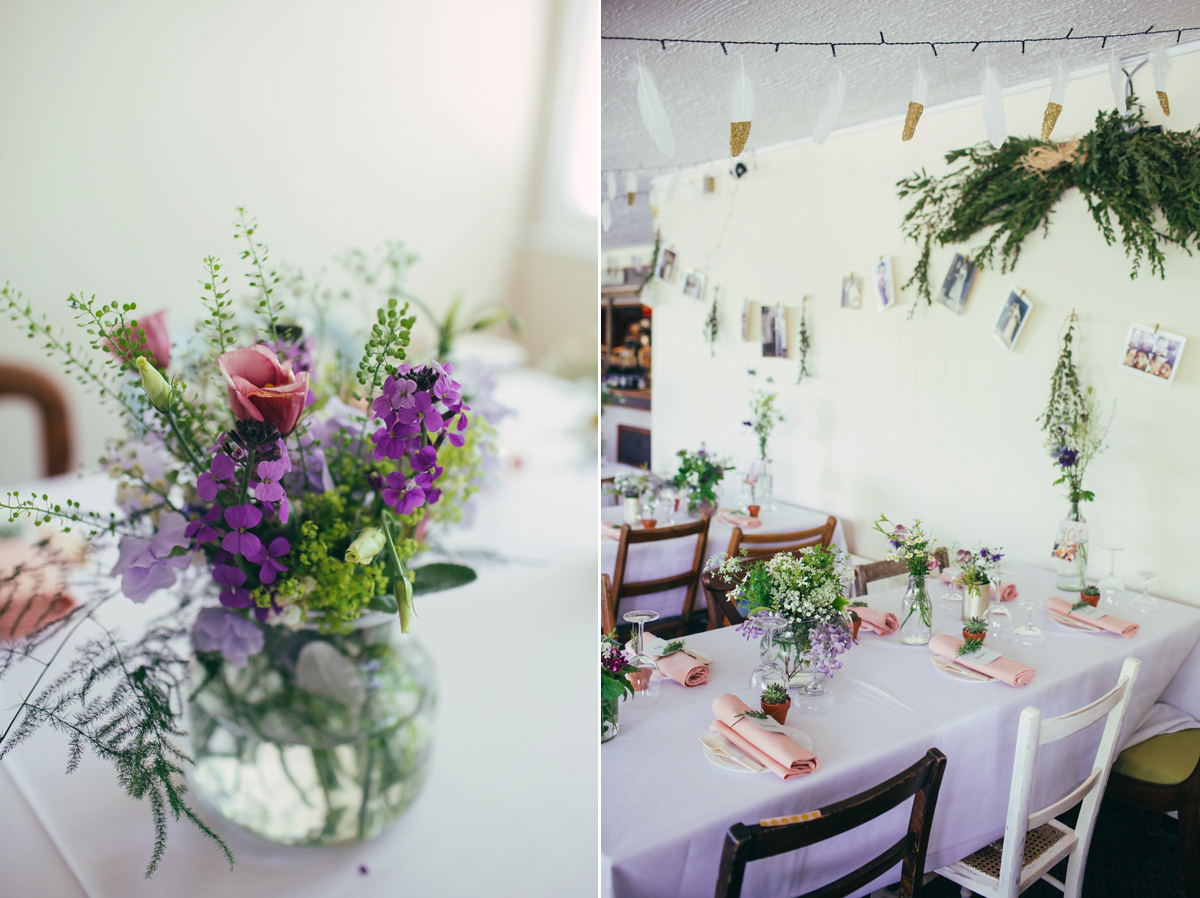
712,325
804,343
1148,180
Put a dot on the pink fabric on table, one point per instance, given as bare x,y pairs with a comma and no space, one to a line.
779,753
683,668
1008,592
1107,622
610,530
1010,672
738,520
32,598
881,622
949,575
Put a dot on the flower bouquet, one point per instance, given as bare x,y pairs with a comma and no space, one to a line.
699,473
807,589
915,549
286,501
614,682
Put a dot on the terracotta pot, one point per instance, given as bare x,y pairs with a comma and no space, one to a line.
1091,600
639,679
779,712
753,509
854,625
979,636
649,523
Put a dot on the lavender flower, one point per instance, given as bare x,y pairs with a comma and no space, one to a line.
218,630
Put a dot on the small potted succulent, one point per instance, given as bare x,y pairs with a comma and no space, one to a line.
975,628
1090,594
776,702
855,620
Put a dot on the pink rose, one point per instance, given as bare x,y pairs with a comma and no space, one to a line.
157,347
261,389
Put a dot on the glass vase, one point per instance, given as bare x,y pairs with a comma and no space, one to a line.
1072,551
804,667
609,725
916,613
321,738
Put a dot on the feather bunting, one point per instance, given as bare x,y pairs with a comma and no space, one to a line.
654,113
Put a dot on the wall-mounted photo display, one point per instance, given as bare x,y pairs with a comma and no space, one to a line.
1152,352
851,292
666,265
1011,320
774,332
884,286
693,283
749,321
957,286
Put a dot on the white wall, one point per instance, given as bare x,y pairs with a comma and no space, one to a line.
932,417
130,131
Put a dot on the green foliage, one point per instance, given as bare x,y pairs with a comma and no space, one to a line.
260,279
1130,177
220,316
385,347
439,576
804,343
763,418
699,473
975,625
712,326
970,646
675,645
1074,430
775,694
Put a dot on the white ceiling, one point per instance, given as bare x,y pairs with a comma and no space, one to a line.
791,84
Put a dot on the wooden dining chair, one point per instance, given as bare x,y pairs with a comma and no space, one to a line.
760,545
28,384
1035,842
921,782
1163,774
674,625
873,571
722,611
608,608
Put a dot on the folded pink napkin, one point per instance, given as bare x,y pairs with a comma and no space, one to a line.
683,668
738,520
610,530
778,752
1106,622
32,594
949,575
881,622
1010,672
1008,592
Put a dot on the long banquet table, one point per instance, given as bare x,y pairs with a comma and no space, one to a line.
666,809
662,559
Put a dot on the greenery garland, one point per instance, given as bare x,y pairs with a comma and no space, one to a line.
804,342
712,324
1130,176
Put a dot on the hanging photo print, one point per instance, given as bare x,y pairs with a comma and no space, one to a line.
883,283
666,265
1152,352
693,284
1011,321
774,332
851,292
957,286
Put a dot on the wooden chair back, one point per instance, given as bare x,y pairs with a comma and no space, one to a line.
760,545
872,571
56,427
688,579
722,611
608,610
921,782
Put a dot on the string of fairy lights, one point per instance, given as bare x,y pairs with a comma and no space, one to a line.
656,118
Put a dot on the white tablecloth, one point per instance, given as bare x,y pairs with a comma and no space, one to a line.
653,560
509,807
666,809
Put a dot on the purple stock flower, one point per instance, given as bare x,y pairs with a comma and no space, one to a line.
219,474
146,565
270,567
1068,457
402,496
202,530
240,519
234,595
219,630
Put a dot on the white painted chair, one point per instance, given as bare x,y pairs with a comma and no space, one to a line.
1033,843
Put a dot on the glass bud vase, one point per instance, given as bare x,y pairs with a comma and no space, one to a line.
320,738
916,613
633,510
1072,552
609,725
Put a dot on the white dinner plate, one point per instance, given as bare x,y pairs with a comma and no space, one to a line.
798,736
1071,623
948,668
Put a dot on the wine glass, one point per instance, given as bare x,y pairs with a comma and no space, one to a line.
1027,634
769,672
1110,584
1146,603
645,680
999,618
667,503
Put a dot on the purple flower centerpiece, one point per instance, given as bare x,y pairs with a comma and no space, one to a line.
808,589
614,682
292,497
